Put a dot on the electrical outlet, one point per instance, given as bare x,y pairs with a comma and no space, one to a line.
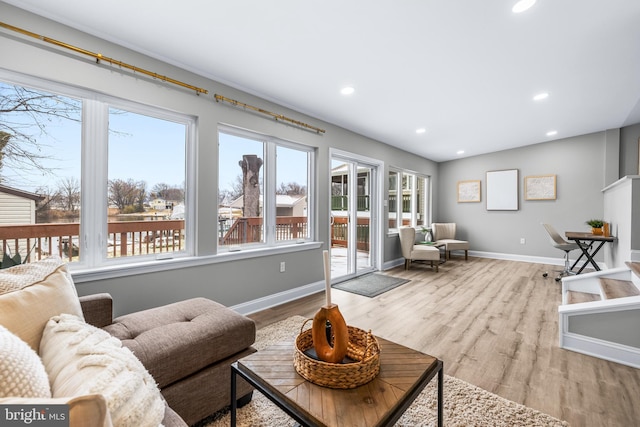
282,267
522,241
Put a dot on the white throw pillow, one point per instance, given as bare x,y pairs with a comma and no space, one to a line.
22,373
31,293
82,359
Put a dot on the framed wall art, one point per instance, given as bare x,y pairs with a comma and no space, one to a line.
502,190
468,191
540,187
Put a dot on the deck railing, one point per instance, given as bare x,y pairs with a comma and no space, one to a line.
339,233
249,230
341,203
36,241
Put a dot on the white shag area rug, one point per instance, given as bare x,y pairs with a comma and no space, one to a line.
464,404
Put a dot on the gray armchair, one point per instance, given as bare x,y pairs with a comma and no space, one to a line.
413,252
445,233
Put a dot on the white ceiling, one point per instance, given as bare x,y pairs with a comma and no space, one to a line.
466,70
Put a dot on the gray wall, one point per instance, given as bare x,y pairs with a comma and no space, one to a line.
629,141
579,164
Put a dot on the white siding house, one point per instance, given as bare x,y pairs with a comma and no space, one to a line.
17,206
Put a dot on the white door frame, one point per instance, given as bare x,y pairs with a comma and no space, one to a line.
377,186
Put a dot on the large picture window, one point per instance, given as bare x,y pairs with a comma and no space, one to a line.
88,178
393,200
145,184
263,194
40,173
408,199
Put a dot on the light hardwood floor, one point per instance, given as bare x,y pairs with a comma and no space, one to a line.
494,323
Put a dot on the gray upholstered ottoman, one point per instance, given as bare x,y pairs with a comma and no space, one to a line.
188,348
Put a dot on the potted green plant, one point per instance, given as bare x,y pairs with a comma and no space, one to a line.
427,233
596,225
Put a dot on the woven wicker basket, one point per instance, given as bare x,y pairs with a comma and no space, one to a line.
363,349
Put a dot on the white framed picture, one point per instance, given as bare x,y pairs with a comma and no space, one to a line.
469,191
502,190
540,187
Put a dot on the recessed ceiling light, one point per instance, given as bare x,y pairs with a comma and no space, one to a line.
460,152
347,90
421,130
541,96
552,133
522,5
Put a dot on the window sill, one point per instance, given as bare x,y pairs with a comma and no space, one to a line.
123,270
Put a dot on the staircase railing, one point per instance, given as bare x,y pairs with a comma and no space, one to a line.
593,323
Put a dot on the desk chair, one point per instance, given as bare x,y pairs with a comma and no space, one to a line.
563,245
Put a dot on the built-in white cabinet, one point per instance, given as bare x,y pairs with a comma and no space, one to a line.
622,211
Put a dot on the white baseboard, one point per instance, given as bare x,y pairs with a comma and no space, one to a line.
392,264
279,298
509,257
310,289
606,350
526,258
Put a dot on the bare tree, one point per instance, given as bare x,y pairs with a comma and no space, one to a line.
127,195
69,194
4,140
50,198
159,190
140,196
292,189
233,193
26,116
167,192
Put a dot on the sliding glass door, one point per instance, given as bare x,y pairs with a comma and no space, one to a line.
353,217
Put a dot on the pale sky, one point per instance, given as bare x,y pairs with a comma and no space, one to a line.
141,148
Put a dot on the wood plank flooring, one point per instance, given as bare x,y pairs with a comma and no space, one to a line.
494,323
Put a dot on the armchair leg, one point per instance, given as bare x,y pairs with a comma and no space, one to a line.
466,255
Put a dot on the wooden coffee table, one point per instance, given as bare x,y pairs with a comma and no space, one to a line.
404,373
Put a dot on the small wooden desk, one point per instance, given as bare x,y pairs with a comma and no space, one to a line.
590,244
404,373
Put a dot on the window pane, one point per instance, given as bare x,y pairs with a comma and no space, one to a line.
291,194
421,202
240,191
339,186
407,196
393,200
40,149
146,185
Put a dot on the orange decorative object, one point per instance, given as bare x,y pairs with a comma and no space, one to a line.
324,350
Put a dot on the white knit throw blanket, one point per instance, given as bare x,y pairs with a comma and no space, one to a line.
92,361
